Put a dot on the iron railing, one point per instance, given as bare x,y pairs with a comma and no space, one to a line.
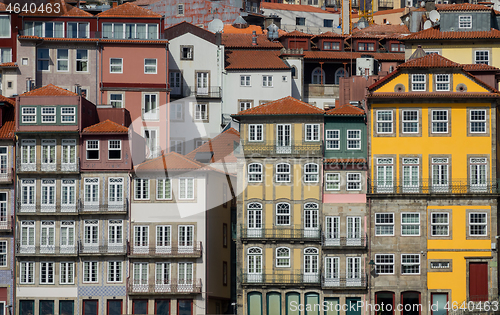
344,283
297,232
206,92
345,242
97,35
164,287
121,207
59,250
194,251
385,4
47,209
102,248
429,186
48,167
6,223
293,277
6,175
302,148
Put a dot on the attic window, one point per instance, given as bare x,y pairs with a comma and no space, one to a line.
187,52
180,9
366,46
300,21
465,21
331,45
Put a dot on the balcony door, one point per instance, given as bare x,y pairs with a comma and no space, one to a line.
140,277
353,278
91,237
332,235
47,241
311,225
353,231
175,83
311,273
202,83
284,138
254,261
185,278
254,220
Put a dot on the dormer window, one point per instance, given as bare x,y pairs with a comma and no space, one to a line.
331,46
442,82
418,82
366,46
398,47
465,21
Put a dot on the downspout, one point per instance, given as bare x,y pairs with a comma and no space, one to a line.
368,200
128,244
167,150
96,71
100,81
14,224
35,58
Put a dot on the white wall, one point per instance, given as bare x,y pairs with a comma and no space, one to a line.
314,20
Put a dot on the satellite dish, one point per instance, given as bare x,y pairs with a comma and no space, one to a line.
434,16
422,4
215,26
427,24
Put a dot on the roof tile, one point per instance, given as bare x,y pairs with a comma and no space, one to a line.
222,147
173,161
347,55
345,110
49,90
229,29
291,7
254,59
8,65
129,9
329,35
8,125
106,126
445,95
235,41
296,33
479,67
435,33
462,7
430,61
7,100
284,106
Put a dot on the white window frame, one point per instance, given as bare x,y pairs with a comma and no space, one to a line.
162,191
28,186
479,122
201,112
116,190
482,59
116,67
436,122
115,272
409,123
380,122
418,82
356,140
333,139
47,277
180,8
283,176
185,236
446,224
412,263
267,81
38,59
79,31
82,60
49,151
255,176
90,272
380,222
332,179
312,132
283,218
9,30
114,101
91,191
90,145
114,145
66,272
245,80
27,272
26,114
403,224
68,112
255,132
184,193
379,264
141,188
150,66
163,236
59,59
465,21
48,112
3,253
442,82
478,224
48,192
353,181
311,176
245,105
282,261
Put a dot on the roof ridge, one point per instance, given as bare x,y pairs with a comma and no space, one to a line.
213,139
122,8
49,86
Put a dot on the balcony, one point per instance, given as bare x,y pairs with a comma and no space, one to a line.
385,4
108,208
48,209
357,283
102,248
428,186
321,90
171,286
296,232
293,278
194,251
85,34
48,167
6,224
52,250
205,92
277,148
6,175
345,242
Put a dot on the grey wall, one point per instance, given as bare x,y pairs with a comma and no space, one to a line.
481,21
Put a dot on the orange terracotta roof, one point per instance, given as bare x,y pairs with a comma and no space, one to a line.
284,106
387,78
4,99
445,95
462,7
66,10
479,67
8,65
430,61
129,9
254,59
376,29
435,33
296,33
173,162
8,125
291,7
345,110
347,55
106,126
245,41
329,35
345,161
383,12
49,90
108,41
229,29
331,10
222,147
3,7
51,39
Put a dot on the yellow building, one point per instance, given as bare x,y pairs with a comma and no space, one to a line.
433,189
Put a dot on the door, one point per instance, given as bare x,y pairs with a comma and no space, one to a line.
47,241
27,237
202,83
67,237
254,220
150,106
284,139
411,303
91,236
114,307
439,303
162,277
410,175
140,277
332,272
175,83
311,274
163,239
478,281
141,239
115,236
353,276
353,231
186,238
352,306
311,225
185,277
90,307
254,264
332,236
478,174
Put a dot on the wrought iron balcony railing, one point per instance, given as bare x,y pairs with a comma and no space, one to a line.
58,250
205,92
102,248
302,148
6,223
82,34
342,283
164,287
194,251
294,277
433,186
295,232
57,167
345,242
93,208
6,175
46,209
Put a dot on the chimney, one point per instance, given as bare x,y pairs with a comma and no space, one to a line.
29,84
77,89
114,4
254,38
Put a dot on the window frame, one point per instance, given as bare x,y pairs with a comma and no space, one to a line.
283,176
201,112
114,274
282,259
251,174
246,79
82,60
462,23
164,191
480,224
483,122
390,122
353,181
356,140
328,181
184,195
49,272
331,139
141,186
150,67
111,65
4,248
410,264
418,85
267,81
256,128
110,149
88,278
87,149
387,215
46,114
406,121
63,114
27,268
312,132
446,82
311,176
40,59
190,52
58,59
282,216
410,224
25,115
384,263
447,224
66,276
482,60
434,122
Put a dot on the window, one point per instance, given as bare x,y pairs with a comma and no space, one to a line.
478,224
327,23
245,80
114,271
385,171
24,61
245,106
91,235
90,272
333,139
163,236
27,272
311,173
267,80
82,60
163,189
186,52
439,121
255,132
440,265
255,173
282,214
78,30
48,114
384,121
442,82
129,31
115,190
185,274
5,26
67,114
353,181
384,264
418,82
48,151
430,52
176,112
141,237
62,60
282,172
317,76
28,192
201,112
67,237
3,160
366,46
332,231
162,276
48,192
397,47
224,273
186,188
150,66
410,264
353,139
482,57
478,174
282,257
300,21
116,100
439,224
410,224
186,234
332,181
410,121
43,59
141,189
180,9
310,264
67,273
312,132
92,149
150,110
339,73
29,115
331,46
116,65
91,191
440,174
114,149
46,273
478,121
224,235
384,224
465,21
150,137
3,253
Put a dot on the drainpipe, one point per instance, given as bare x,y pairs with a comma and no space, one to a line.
35,58
368,200
167,150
